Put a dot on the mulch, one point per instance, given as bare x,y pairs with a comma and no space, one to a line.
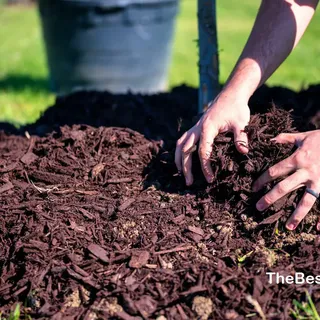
96,222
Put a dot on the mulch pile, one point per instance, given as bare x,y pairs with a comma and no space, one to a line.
96,223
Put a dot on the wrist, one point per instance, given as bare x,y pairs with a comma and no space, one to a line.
233,96
244,80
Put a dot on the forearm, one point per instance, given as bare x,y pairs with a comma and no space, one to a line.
278,28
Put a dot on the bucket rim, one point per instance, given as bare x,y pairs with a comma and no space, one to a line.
114,3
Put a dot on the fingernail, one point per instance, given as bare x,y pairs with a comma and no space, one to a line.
243,144
318,226
188,182
260,206
243,148
291,226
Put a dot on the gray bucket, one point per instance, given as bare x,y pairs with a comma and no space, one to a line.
115,45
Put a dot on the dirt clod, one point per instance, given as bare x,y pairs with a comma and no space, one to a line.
202,306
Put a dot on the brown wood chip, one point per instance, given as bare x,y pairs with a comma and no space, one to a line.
126,204
196,230
273,218
99,252
9,168
139,259
28,158
88,192
120,180
6,187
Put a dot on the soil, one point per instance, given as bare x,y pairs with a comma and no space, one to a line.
96,222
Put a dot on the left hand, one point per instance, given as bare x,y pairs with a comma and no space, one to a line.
302,168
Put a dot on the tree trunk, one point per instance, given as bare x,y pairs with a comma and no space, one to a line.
208,53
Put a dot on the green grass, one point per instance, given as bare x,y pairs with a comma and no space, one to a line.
23,72
24,90
15,314
235,20
305,310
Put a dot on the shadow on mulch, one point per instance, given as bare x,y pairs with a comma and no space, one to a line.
16,83
163,117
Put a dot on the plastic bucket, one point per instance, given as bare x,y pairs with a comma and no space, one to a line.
115,45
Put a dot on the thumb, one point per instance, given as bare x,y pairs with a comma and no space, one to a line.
241,139
293,138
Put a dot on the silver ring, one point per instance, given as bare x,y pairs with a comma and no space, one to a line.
312,192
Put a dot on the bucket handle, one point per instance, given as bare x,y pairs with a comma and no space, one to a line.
95,15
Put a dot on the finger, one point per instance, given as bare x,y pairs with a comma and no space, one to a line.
295,181
205,149
280,169
187,157
318,224
293,138
241,140
178,151
306,203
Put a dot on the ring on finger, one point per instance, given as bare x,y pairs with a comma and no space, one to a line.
312,192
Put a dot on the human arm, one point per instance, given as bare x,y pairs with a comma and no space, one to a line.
278,28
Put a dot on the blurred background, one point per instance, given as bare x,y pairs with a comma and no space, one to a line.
24,85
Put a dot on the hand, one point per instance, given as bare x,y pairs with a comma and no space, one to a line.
226,113
303,168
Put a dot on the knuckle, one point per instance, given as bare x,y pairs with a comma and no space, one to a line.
179,142
281,188
268,200
306,202
182,139
301,156
313,170
185,149
272,172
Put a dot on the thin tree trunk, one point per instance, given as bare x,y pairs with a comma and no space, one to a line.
208,53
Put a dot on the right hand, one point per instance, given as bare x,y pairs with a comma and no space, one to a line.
226,113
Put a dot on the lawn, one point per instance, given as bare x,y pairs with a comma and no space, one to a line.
24,90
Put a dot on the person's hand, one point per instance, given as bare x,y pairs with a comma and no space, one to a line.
226,113
302,169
